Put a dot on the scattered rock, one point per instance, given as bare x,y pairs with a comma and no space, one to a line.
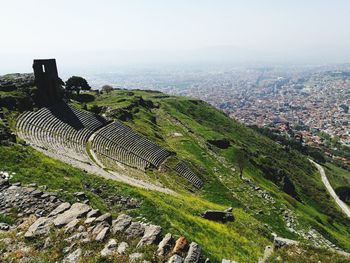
122,222
150,235
40,227
193,254
175,259
123,246
165,245
109,248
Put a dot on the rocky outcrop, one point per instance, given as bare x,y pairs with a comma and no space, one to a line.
77,210
81,224
26,200
216,215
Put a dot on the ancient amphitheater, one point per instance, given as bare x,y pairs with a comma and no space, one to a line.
88,138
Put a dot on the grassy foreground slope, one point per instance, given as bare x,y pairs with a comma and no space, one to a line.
185,126
242,240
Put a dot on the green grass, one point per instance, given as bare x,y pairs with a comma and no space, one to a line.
178,215
198,122
183,126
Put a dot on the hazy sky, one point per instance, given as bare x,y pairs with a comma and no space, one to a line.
87,33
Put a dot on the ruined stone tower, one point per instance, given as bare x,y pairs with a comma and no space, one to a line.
47,81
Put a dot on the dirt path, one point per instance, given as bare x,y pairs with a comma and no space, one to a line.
331,191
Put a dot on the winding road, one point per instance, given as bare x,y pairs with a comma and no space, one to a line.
331,191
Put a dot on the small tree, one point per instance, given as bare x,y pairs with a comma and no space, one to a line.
107,88
77,84
241,161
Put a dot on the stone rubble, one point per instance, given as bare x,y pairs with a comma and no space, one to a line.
82,224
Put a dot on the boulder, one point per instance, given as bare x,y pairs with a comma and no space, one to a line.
105,218
122,222
175,259
109,248
40,227
181,244
216,215
60,209
150,236
77,210
165,245
194,253
136,229
123,246
228,261
73,257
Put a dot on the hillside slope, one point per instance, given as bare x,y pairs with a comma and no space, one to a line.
280,192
